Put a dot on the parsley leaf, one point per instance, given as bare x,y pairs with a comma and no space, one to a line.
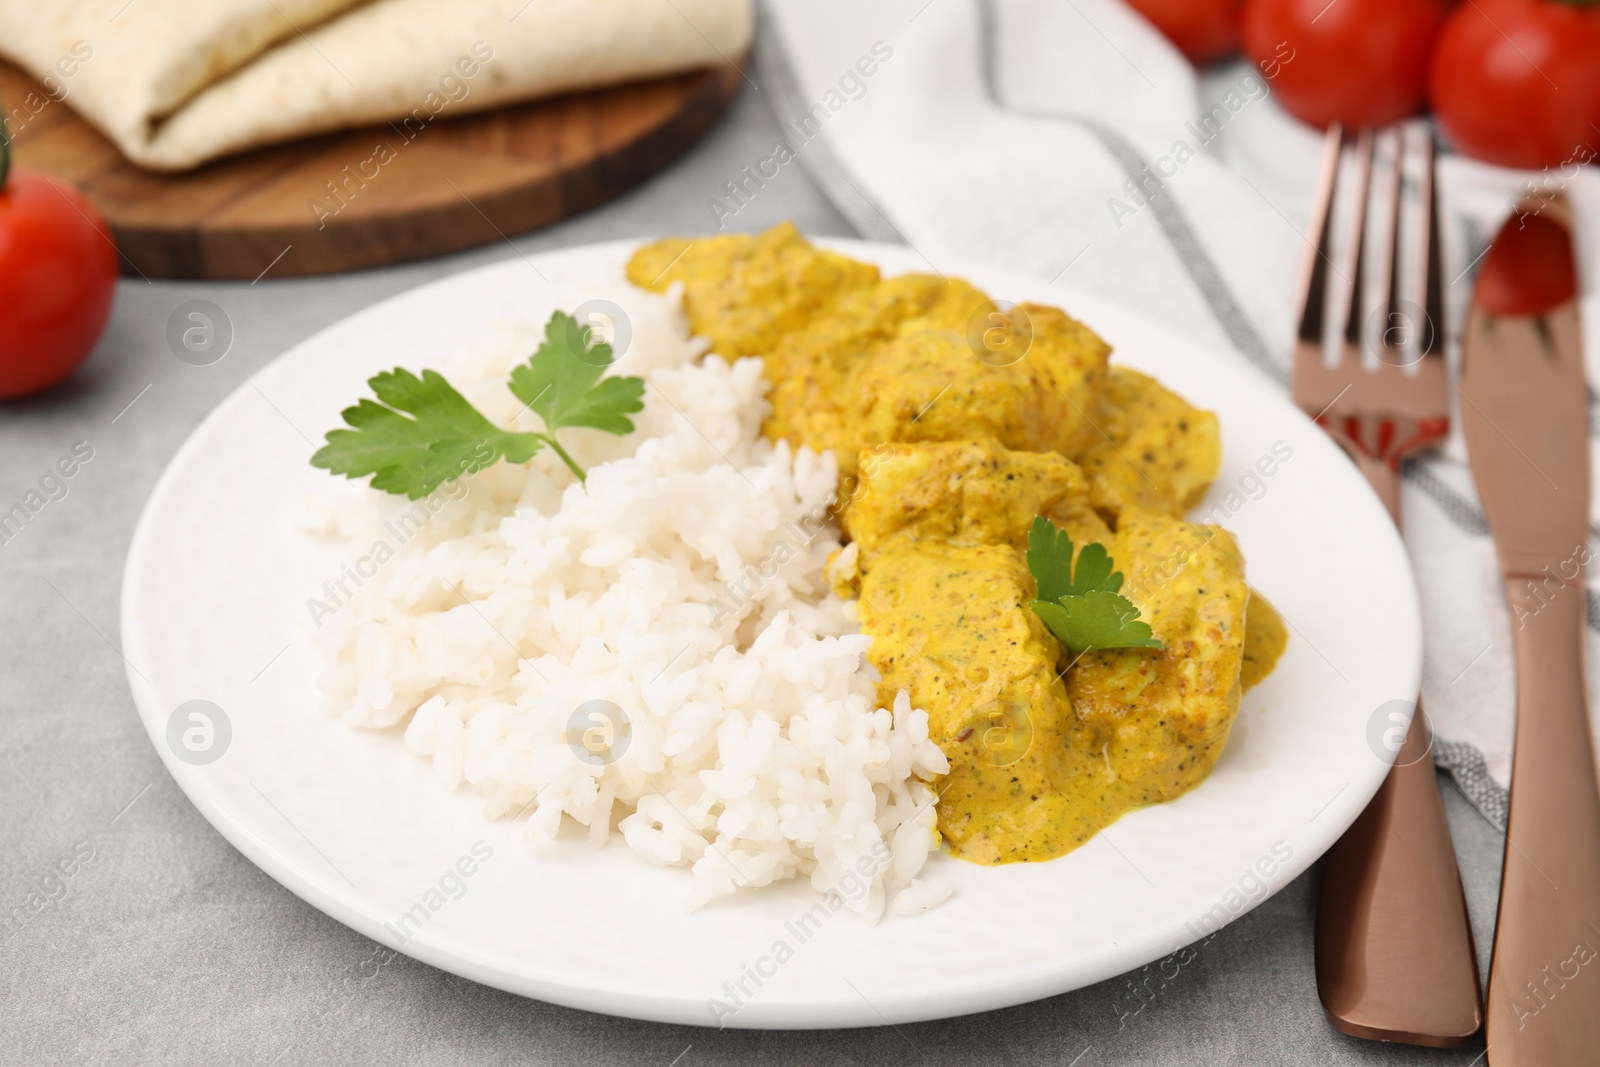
1097,619
1093,574
562,381
1050,560
1081,605
444,436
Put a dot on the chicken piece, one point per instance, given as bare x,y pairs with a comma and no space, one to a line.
951,624
1265,638
1075,515
959,492
810,369
945,385
747,291
929,386
1161,718
1069,359
1156,452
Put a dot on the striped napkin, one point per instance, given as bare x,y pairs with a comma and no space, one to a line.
1071,140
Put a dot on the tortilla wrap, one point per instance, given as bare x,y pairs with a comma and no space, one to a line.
174,83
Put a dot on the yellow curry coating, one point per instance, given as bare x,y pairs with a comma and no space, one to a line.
812,368
1165,715
856,360
960,492
1156,451
931,386
1265,638
944,590
967,445
1071,359
747,292
968,492
951,623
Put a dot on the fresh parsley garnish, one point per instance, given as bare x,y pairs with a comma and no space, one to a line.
421,432
563,384
1081,605
444,436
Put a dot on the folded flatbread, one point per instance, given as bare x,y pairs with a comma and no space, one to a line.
175,83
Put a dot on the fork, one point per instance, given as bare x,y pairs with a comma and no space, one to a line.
1395,958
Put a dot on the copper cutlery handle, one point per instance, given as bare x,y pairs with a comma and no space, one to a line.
1544,983
1394,951
1395,958
1383,478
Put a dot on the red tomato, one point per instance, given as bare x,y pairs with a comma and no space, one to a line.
58,274
1203,30
1359,62
1517,82
1529,268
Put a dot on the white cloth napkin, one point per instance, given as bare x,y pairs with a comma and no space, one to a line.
1018,131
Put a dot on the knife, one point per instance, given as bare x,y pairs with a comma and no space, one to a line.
1524,412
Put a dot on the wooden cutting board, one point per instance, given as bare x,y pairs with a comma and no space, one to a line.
371,196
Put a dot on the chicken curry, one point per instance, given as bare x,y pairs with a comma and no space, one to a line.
955,423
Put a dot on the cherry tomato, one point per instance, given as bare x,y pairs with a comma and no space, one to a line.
1517,82
1359,62
1203,30
58,274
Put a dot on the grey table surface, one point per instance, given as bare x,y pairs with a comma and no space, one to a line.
170,947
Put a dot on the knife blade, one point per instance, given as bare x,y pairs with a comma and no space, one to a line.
1524,413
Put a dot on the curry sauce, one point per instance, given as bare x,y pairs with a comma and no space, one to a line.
969,443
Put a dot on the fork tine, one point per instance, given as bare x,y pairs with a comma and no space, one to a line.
1358,242
1394,315
1314,277
1431,341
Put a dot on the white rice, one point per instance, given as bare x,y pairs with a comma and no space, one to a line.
683,584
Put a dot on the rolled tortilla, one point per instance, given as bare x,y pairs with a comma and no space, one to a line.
175,83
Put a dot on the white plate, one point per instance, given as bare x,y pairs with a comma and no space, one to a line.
216,586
